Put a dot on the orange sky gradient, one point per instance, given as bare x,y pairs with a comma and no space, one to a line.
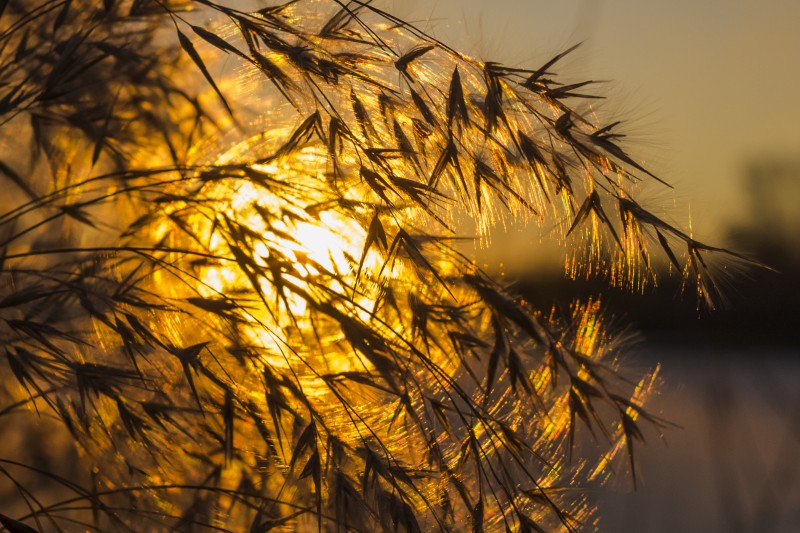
704,88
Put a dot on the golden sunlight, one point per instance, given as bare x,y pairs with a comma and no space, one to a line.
290,223
245,299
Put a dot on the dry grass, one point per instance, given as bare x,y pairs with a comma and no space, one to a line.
239,297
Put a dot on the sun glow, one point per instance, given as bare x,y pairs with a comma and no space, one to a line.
294,249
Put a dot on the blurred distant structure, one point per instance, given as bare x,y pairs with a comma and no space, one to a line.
760,306
773,229
731,384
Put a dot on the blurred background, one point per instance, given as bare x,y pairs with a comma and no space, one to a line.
708,95
708,92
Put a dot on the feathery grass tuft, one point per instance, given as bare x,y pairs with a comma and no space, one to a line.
240,296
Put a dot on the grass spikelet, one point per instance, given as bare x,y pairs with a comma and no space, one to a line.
267,323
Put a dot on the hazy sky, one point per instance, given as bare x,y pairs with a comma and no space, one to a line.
705,85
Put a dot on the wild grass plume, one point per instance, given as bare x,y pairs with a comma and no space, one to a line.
230,293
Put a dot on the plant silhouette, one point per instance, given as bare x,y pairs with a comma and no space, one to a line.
231,293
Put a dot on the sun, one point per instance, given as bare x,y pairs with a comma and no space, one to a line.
297,242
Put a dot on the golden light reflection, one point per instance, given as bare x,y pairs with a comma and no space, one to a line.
624,439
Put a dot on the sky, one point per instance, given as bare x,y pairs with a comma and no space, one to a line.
705,87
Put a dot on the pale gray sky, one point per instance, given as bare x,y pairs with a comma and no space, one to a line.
705,85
